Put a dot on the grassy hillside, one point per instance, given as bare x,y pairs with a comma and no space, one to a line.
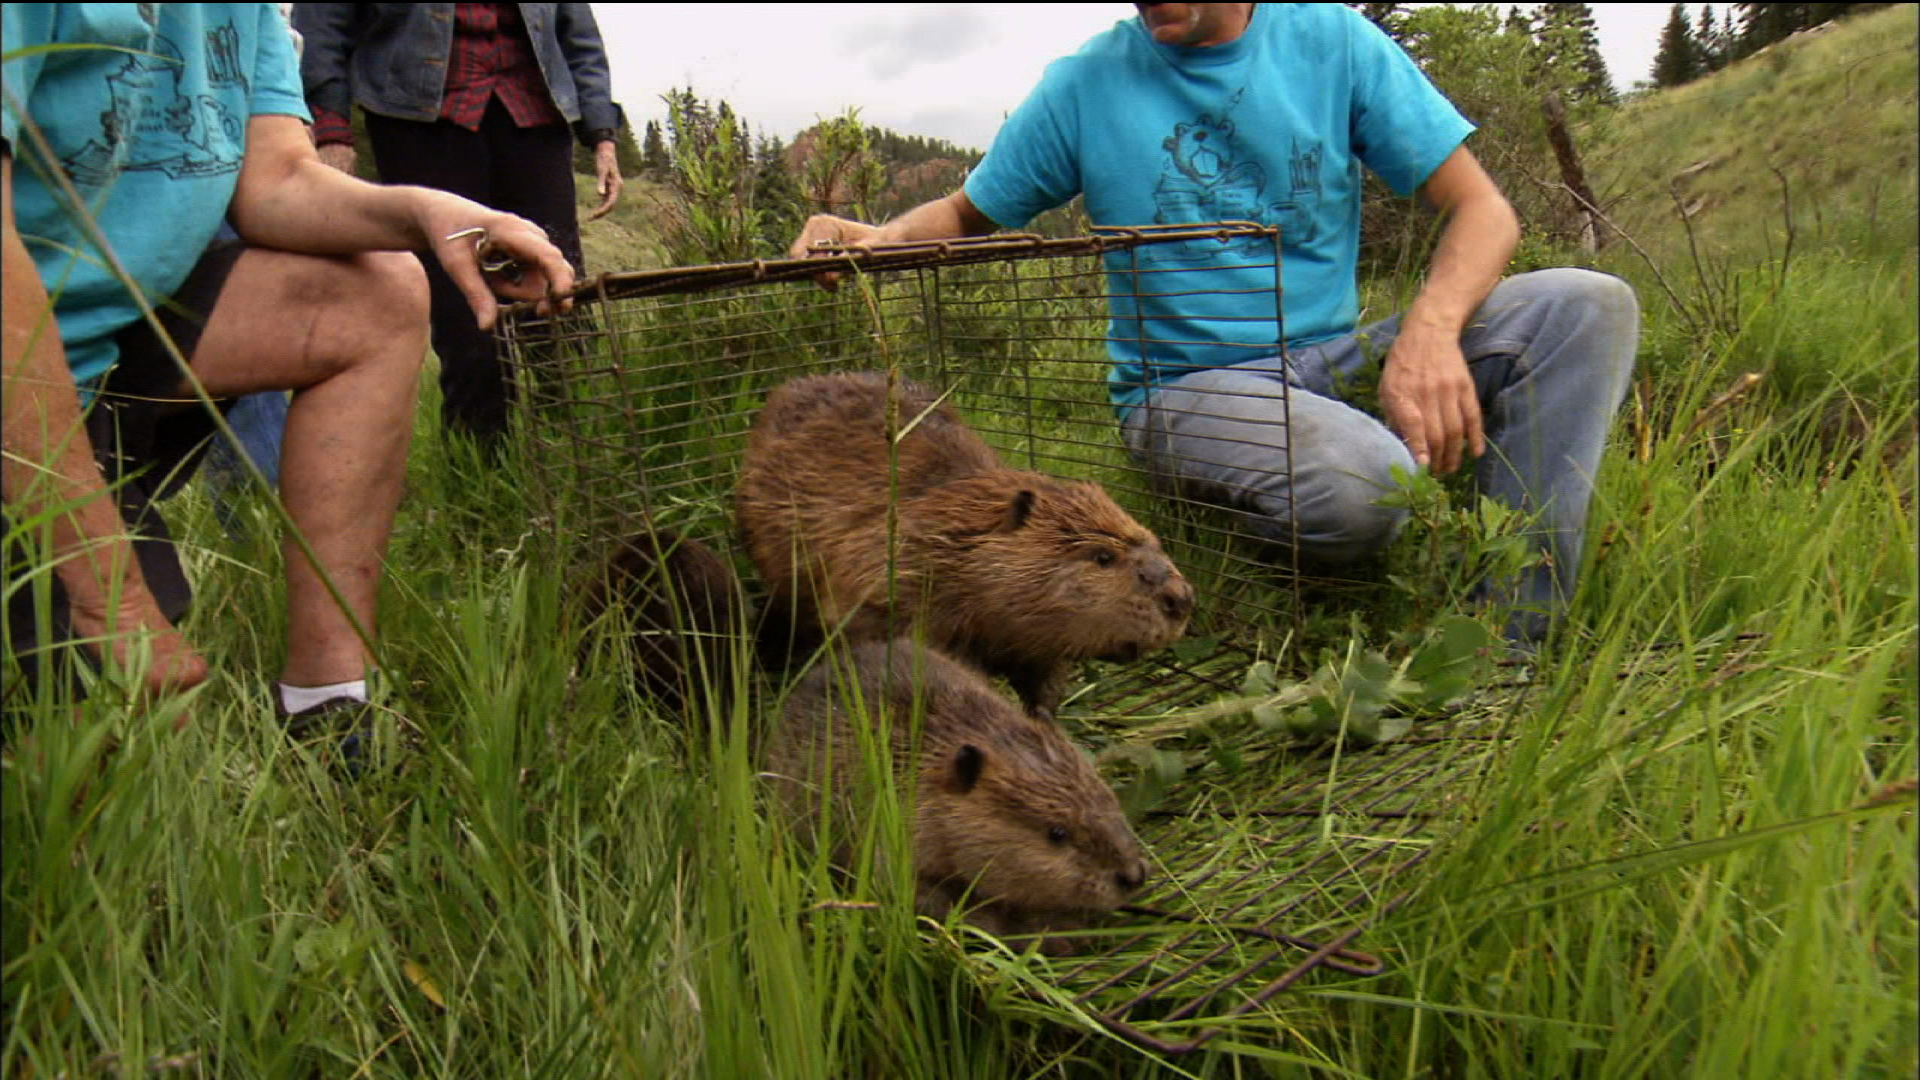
1796,258
1687,847
1831,115
628,238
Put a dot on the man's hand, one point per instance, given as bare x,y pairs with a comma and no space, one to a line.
286,198
950,215
340,156
172,663
1425,388
827,230
1430,401
606,164
541,269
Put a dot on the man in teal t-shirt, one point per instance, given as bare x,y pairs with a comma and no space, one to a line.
131,131
1267,113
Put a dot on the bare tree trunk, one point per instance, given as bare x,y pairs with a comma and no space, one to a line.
1592,236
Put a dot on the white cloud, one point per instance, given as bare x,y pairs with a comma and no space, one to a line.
950,71
941,33
962,66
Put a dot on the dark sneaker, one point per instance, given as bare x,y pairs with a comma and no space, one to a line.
340,730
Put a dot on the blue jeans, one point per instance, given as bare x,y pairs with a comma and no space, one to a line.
1551,354
259,421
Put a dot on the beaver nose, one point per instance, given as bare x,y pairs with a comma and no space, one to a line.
1132,877
1177,602
1154,574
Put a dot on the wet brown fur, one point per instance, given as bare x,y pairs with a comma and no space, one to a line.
1016,572
991,784
683,623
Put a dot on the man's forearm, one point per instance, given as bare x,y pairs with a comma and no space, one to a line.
1475,246
287,198
949,216
49,471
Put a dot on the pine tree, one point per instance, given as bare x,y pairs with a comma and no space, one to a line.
1518,22
1677,62
1706,41
626,153
1387,17
1763,24
689,123
1572,41
776,193
653,152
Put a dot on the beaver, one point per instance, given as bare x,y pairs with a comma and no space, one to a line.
1010,818
1016,572
685,609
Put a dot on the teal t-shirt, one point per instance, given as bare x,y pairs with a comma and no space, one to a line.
1271,127
149,121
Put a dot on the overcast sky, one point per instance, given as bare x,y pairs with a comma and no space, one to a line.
952,71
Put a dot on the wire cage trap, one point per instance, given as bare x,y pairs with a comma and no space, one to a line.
1270,875
635,409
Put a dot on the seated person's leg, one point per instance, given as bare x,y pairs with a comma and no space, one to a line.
347,336
258,421
1552,355
1221,436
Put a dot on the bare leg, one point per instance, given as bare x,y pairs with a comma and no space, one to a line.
347,335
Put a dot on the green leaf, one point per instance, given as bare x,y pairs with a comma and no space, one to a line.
1448,662
1227,755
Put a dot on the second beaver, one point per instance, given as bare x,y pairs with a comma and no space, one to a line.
685,611
1017,572
1010,818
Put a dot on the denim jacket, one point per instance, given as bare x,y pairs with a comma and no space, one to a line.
391,59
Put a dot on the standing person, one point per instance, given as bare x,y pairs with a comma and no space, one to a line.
475,99
1197,112
126,145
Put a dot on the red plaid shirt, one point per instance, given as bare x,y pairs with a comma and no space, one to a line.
491,56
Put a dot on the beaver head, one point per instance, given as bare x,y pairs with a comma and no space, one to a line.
1048,566
1011,821
1020,821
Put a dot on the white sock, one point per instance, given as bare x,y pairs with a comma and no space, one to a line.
296,698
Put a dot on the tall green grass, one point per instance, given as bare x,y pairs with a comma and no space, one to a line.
1691,857
1673,870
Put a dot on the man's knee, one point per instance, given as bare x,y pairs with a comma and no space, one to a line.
1589,319
380,319
394,290
1594,297
1341,521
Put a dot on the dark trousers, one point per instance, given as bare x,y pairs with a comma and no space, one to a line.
525,171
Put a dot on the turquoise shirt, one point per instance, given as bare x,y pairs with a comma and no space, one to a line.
149,124
1271,127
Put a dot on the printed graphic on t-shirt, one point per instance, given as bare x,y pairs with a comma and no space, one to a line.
193,135
1207,177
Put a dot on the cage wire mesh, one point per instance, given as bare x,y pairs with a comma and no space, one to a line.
635,409
1269,873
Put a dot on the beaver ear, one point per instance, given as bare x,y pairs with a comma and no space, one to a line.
1019,509
968,762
